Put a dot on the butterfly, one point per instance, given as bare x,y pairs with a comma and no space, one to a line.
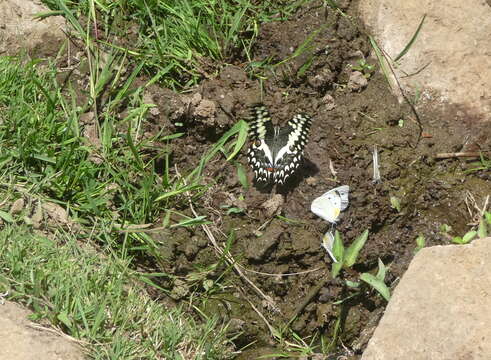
329,205
275,153
328,244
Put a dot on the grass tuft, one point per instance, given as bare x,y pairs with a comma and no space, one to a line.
96,298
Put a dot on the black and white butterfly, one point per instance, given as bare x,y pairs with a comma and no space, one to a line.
275,152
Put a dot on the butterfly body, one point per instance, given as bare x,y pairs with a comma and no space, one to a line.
276,152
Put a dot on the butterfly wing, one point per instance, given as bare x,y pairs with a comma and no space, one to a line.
328,244
261,132
289,146
343,192
327,206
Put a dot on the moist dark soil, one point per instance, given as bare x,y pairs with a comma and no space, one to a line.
353,111
284,259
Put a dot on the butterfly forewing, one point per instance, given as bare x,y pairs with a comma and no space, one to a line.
276,153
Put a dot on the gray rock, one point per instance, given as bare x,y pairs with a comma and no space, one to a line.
454,44
441,309
20,340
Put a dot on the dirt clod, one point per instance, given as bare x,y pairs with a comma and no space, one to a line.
17,206
273,205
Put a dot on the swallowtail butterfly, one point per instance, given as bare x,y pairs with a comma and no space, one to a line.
276,152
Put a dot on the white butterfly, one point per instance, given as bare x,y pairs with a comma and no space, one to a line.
328,243
329,205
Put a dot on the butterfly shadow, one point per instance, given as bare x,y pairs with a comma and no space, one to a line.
307,169
263,187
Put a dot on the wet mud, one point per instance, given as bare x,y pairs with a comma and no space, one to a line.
337,82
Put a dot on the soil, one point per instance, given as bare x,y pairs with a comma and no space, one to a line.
353,112
351,116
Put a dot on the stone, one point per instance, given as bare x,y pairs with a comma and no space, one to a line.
22,340
19,30
273,205
450,61
357,81
441,308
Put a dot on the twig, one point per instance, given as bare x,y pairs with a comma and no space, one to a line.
404,96
279,275
271,329
483,210
226,255
457,155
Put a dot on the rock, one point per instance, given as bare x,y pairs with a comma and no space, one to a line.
37,217
191,250
206,110
441,309
19,30
57,213
357,81
19,340
261,248
454,44
329,101
273,205
321,80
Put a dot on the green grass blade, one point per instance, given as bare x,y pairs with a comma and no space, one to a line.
243,129
199,220
179,191
381,59
469,236
413,39
6,216
237,128
381,270
134,151
242,176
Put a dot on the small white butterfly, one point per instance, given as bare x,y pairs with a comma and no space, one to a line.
328,243
329,205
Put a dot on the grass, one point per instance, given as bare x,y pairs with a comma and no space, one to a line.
46,159
95,296
178,42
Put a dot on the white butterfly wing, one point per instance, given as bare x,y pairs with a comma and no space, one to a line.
343,192
327,206
328,243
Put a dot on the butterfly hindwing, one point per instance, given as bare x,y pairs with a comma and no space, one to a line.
259,154
292,139
276,153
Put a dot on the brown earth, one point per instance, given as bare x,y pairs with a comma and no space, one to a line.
349,120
